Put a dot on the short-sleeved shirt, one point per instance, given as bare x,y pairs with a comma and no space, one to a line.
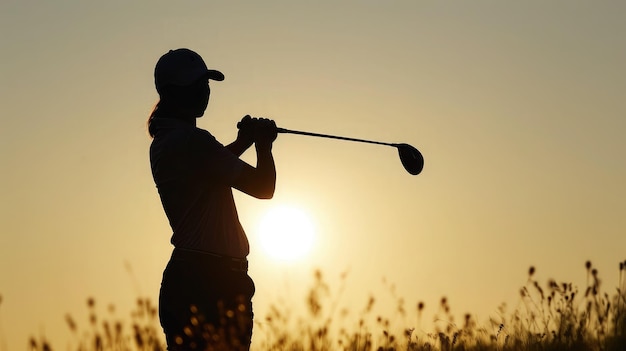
194,174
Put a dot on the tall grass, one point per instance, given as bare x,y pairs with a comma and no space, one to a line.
552,317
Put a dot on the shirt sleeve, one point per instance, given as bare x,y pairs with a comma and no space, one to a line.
214,160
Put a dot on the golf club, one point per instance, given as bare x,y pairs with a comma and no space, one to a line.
411,158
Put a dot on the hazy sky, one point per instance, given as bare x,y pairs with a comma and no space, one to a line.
518,107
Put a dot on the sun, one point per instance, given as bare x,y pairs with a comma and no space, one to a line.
286,233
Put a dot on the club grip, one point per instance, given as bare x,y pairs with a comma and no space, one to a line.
278,129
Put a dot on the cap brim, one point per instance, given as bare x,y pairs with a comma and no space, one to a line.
215,75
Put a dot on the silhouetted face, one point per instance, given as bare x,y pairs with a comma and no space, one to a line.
204,91
199,97
191,100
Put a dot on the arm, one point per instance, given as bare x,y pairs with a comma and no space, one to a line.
239,146
260,182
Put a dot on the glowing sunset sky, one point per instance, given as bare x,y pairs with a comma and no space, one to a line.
519,108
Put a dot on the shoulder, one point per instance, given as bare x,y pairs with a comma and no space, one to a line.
202,134
203,139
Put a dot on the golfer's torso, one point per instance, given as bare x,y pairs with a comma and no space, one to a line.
196,197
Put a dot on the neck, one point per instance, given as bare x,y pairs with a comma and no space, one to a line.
186,119
181,114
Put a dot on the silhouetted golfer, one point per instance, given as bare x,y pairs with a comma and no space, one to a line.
205,298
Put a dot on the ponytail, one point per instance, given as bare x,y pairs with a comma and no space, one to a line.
153,115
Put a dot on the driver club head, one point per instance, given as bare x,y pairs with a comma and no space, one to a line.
411,158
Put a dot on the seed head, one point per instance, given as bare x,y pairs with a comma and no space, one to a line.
70,322
552,283
531,271
588,265
408,332
318,274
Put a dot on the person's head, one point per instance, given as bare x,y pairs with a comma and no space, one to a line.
181,79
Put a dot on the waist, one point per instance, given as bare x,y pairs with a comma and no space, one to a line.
208,258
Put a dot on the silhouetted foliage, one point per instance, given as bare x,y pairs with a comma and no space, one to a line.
555,316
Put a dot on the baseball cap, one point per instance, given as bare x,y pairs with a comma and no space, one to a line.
182,67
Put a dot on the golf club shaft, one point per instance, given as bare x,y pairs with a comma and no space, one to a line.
289,131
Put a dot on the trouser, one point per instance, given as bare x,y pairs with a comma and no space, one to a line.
205,303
